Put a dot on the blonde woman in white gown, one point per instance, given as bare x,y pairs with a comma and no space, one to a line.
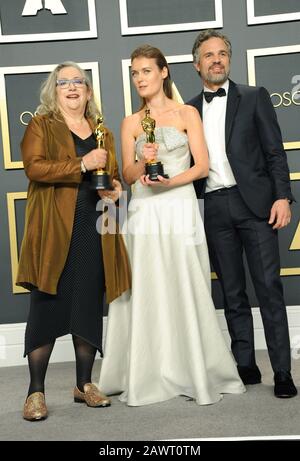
163,338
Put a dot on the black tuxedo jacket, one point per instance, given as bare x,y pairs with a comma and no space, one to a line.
254,148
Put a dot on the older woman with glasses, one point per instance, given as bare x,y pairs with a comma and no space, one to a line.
64,261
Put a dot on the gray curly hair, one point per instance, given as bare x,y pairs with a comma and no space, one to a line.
48,99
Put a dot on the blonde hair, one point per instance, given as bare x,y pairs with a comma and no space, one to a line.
48,97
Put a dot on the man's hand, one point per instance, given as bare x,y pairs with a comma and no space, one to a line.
280,215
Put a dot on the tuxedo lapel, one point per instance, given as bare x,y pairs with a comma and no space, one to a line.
199,184
233,101
199,104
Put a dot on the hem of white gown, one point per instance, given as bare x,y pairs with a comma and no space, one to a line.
219,396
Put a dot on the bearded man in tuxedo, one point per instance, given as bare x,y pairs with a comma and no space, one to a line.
247,198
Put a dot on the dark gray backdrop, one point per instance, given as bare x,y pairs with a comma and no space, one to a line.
109,49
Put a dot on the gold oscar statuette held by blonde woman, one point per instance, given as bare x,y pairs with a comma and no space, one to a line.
154,168
100,179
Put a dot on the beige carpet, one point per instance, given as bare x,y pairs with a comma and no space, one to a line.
255,413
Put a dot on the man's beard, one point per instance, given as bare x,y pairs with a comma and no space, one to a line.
217,78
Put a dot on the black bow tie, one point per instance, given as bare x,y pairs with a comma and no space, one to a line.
209,95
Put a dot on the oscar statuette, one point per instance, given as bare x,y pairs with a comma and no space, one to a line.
100,178
153,168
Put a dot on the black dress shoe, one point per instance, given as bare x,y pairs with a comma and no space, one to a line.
284,386
249,375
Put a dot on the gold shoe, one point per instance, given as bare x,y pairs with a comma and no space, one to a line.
91,396
35,407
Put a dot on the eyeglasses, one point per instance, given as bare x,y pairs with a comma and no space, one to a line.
77,82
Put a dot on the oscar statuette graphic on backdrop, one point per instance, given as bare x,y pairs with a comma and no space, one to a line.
32,7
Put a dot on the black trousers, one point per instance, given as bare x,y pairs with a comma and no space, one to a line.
231,228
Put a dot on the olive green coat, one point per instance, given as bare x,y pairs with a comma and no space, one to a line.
54,172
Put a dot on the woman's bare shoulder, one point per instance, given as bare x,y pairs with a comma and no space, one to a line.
189,111
189,114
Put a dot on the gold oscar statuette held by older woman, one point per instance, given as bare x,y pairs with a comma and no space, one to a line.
154,168
100,179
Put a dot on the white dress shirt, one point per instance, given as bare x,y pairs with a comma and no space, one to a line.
220,173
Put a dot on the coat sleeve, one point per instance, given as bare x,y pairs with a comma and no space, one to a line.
38,167
271,142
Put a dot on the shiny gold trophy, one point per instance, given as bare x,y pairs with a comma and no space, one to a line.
154,168
100,179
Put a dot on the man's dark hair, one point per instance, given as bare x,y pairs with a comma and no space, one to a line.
206,35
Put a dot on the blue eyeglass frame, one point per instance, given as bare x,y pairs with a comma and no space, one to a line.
74,81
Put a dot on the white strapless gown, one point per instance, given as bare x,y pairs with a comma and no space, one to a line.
163,338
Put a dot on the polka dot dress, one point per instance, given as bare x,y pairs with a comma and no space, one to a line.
77,308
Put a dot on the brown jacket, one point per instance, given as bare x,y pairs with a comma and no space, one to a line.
54,172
